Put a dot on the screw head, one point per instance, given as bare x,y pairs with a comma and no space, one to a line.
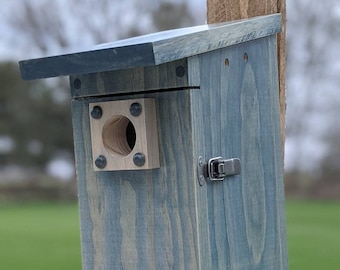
200,161
100,162
180,71
200,171
77,84
136,109
97,112
201,180
139,159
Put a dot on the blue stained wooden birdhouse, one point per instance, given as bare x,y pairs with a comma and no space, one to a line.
177,147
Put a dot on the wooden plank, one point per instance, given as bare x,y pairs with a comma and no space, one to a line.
140,219
281,40
217,36
242,219
153,49
87,62
173,75
228,10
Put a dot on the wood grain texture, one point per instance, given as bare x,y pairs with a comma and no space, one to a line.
110,135
129,81
140,219
228,10
152,49
242,219
162,218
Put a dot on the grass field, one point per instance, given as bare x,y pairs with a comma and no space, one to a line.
39,236
313,232
43,236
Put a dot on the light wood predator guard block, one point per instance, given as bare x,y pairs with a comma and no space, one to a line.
118,135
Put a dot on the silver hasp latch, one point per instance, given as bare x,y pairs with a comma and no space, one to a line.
217,168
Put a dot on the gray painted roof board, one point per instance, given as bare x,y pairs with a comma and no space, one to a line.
153,49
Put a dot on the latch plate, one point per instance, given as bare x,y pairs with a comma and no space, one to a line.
217,168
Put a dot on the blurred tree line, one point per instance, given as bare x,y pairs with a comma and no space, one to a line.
34,124
35,116
35,128
313,128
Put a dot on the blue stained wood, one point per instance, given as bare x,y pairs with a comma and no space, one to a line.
152,49
163,218
241,220
225,104
143,219
163,77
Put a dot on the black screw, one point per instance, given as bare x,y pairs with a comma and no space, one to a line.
139,159
180,71
77,83
136,109
100,162
97,112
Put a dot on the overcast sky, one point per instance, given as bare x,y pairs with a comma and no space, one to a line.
311,93
16,44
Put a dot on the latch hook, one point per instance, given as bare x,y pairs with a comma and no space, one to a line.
217,168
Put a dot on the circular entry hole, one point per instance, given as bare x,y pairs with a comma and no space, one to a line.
119,135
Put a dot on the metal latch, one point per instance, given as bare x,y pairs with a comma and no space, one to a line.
217,168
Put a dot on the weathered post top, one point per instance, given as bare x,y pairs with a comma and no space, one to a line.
152,49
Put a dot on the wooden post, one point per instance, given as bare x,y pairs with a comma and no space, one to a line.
206,191
228,10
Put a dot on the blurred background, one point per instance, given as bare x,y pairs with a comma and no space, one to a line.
39,225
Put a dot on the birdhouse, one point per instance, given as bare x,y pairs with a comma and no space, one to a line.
177,148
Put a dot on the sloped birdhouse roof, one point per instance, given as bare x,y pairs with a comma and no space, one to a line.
153,49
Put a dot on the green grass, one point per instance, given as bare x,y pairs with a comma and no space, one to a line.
39,236
313,232
46,236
